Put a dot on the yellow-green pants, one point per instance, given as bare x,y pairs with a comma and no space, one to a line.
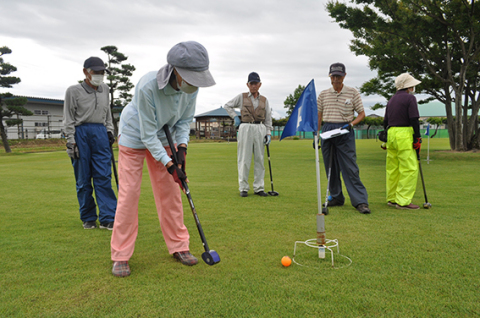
402,166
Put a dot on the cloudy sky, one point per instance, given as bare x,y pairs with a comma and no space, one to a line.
288,42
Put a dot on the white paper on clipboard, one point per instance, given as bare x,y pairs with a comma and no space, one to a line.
333,133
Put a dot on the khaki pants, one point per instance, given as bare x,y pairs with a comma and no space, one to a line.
250,141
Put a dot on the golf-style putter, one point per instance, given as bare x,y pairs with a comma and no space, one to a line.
209,256
426,205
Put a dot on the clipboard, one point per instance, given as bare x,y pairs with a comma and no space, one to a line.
333,133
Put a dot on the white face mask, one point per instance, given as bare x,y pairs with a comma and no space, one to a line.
96,79
186,88
412,91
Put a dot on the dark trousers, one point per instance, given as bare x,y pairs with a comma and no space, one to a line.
345,162
94,164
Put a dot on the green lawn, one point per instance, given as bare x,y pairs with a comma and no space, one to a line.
422,263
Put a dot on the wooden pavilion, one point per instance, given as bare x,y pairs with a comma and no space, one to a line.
215,124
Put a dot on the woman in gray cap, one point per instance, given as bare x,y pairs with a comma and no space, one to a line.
167,97
403,143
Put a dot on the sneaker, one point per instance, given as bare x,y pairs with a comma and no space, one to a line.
334,202
185,258
89,225
261,193
244,194
121,269
363,208
108,226
392,204
411,206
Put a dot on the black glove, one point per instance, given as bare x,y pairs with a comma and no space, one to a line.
177,174
319,144
182,156
72,150
111,138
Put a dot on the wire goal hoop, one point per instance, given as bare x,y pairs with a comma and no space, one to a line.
330,245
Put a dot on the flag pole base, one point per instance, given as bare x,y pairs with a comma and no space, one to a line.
330,245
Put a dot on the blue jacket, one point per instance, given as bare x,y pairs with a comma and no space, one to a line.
142,120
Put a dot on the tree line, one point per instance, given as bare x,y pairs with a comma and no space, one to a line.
437,42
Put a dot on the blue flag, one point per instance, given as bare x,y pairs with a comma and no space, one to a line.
427,132
304,116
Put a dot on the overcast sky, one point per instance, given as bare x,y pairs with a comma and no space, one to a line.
288,42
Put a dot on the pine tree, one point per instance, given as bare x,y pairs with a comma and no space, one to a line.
118,80
9,105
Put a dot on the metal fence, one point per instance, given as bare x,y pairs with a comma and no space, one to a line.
360,133
49,126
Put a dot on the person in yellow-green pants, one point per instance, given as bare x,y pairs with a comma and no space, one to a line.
403,143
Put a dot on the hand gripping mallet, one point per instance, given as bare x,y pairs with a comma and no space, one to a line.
209,256
426,205
272,193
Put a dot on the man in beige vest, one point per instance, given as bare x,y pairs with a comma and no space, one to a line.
254,133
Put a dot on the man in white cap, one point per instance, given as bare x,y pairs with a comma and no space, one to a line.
403,143
336,107
164,97
254,133
88,126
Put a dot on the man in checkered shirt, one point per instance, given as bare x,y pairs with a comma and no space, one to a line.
336,107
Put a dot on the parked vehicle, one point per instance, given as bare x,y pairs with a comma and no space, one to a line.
45,134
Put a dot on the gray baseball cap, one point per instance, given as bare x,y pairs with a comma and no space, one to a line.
190,59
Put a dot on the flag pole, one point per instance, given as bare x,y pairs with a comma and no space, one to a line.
317,161
427,133
428,151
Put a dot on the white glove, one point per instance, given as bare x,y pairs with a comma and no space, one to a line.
267,139
72,150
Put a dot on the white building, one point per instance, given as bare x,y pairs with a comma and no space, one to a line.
47,116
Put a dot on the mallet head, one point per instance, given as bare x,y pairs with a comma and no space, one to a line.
325,211
273,193
211,257
427,205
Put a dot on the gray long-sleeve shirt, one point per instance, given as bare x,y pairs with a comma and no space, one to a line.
237,102
82,105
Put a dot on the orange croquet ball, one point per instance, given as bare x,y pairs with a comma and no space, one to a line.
286,261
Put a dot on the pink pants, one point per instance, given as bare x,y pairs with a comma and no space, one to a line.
167,200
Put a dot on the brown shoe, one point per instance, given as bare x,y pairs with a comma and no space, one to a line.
185,258
121,269
411,206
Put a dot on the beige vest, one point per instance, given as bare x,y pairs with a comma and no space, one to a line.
250,115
